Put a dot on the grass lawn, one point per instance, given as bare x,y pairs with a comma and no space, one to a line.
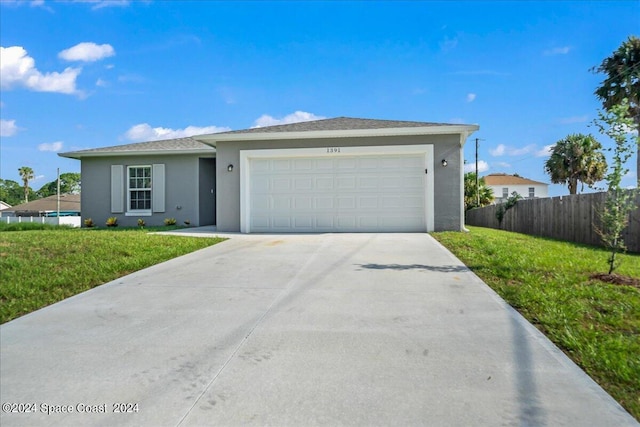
39,267
596,324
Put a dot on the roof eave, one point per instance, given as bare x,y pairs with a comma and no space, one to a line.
78,155
213,139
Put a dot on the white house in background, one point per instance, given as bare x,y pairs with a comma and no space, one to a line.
504,185
4,205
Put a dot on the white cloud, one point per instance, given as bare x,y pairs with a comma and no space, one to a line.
545,152
8,127
51,146
471,97
503,164
502,150
630,130
144,132
99,4
31,3
471,167
573,119
498,151
17,68
87,52
101,83
558,50
298,116
456,120
448,44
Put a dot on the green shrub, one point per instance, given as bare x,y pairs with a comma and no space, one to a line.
112,222
89,223
170,221
141,223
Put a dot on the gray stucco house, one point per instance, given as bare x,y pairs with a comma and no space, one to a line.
332,175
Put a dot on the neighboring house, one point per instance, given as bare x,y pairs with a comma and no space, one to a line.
343,174
46,207
4,205
504,185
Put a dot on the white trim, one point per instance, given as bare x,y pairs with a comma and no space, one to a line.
247,155
138,213
141,212
463,130
80,155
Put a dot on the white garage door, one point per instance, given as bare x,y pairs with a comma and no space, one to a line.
347,193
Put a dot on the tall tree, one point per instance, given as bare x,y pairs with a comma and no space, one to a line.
576,158
471,192
26,173
69,184
11,192
622,70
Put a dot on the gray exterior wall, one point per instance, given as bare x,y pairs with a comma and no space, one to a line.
448,211
181,189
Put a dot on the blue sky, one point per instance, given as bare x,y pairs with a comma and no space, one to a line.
93,73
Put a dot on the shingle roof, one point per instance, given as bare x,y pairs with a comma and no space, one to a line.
187,144
504,179
338,123
68,202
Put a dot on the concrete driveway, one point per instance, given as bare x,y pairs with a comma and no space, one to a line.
334,329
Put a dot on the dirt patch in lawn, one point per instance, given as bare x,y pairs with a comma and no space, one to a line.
617,279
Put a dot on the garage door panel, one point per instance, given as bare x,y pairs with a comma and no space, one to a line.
346,164
279,184
325,222
282,222
301,165
281,165
324,202
413,182
303,203
346,183
368,202
325,164
347,202
365,193
368,182
389,182
303,221
281,203
260,203
324,183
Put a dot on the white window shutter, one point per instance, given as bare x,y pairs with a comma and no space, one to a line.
157,188
117,188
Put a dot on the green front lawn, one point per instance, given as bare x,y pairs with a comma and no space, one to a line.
596,324
39,267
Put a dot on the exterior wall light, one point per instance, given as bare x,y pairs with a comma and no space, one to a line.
444,163
230,168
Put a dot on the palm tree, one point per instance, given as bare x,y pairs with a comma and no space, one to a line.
26,173
471,194
576,158
623,81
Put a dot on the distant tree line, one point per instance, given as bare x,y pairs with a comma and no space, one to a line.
14,193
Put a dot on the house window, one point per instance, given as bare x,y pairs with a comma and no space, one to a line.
139,190
505,193
532,192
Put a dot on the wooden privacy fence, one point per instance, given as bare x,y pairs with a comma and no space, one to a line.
572,218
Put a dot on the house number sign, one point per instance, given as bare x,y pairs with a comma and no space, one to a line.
333,149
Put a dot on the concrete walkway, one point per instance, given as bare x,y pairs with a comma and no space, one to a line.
294,330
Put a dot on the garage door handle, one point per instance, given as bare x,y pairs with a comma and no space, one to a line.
426,171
